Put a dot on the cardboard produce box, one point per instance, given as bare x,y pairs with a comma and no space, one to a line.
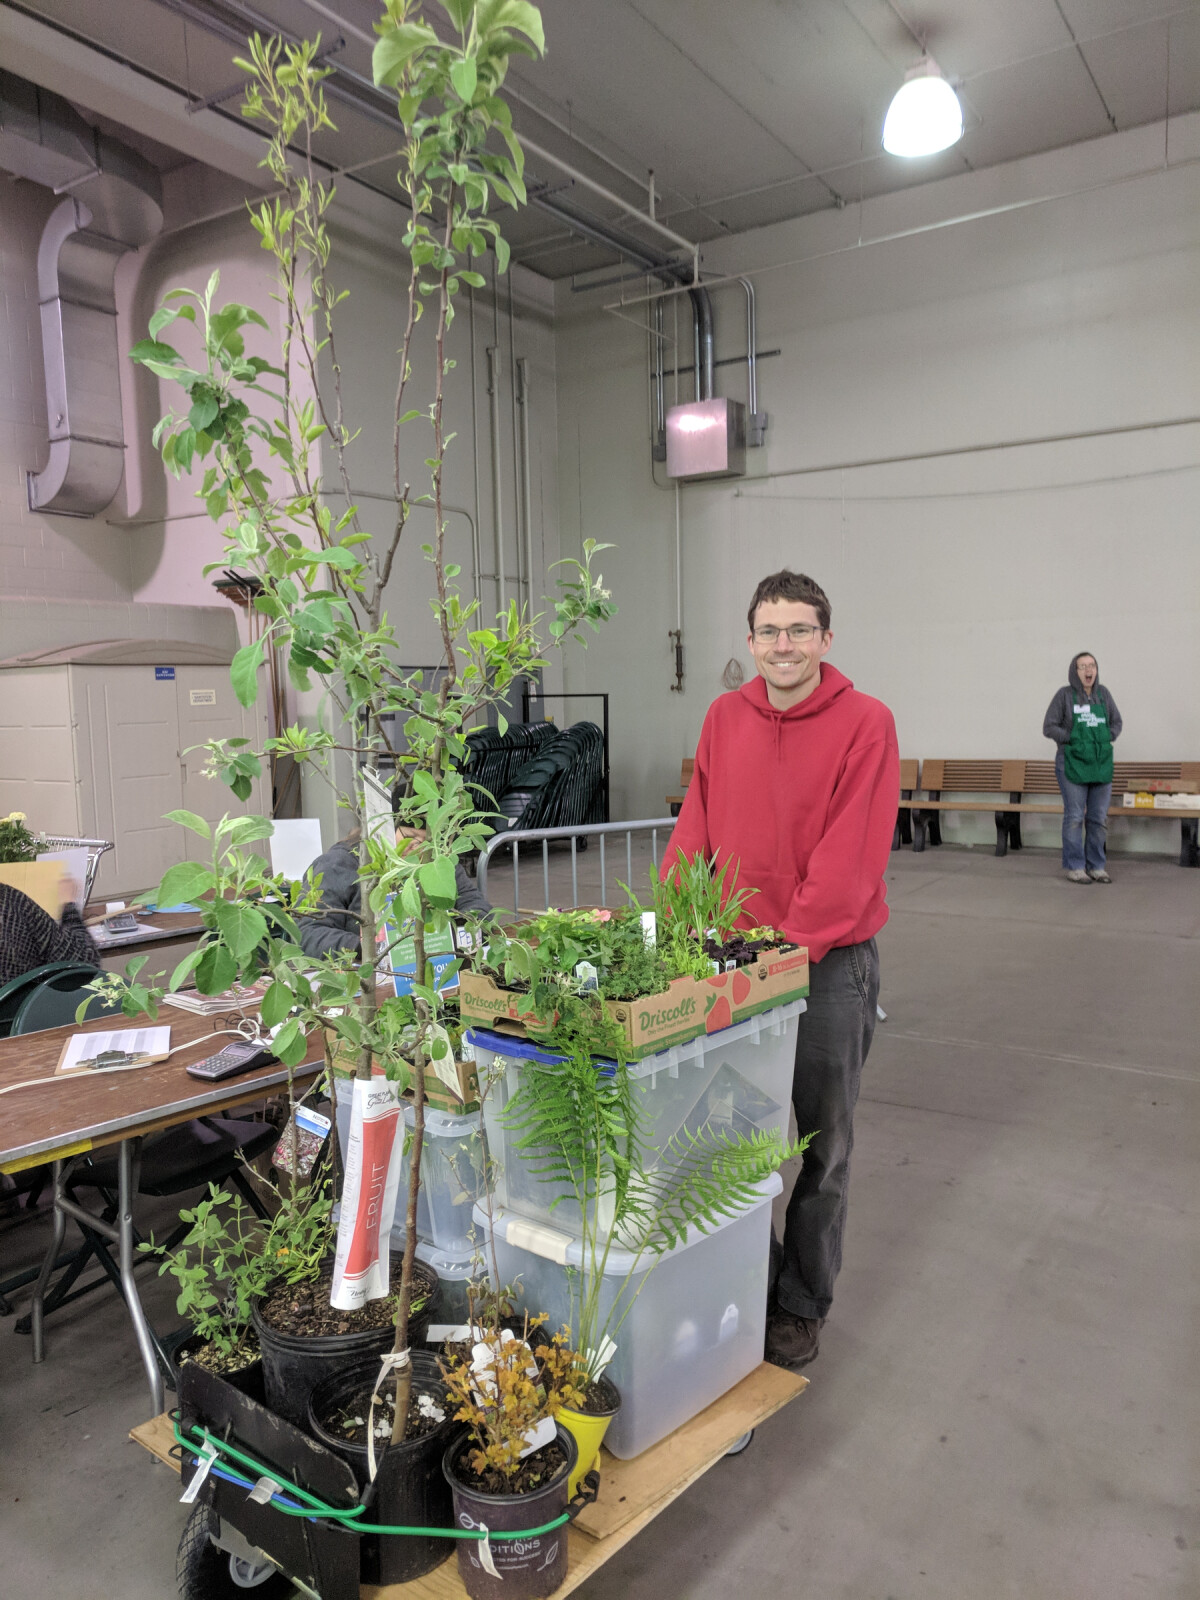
690,1006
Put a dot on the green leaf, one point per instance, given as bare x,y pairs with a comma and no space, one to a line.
146,351
276,1004
189,820
243,672
188,965
518,14
290,1043
187,881
502,253
247,829
459,12
215,970
437,880
242,927
204,413
394,49
463,76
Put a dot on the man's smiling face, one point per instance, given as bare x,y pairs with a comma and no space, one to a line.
791,667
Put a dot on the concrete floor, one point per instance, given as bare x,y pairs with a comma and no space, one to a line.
1005,1405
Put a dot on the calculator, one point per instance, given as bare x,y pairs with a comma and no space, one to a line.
237,1056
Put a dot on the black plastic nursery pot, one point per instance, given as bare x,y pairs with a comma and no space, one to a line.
248,1379
293,1364
529,1569
410,1488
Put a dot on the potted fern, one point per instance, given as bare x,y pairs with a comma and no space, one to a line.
269,436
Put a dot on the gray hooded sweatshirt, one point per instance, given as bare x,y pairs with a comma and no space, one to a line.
1060,718
331,928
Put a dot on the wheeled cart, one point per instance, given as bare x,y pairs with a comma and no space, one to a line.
631,1494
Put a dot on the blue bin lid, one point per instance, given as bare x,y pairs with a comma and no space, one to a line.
507,1044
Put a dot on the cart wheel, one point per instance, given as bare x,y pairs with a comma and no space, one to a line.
205,1572
738,1445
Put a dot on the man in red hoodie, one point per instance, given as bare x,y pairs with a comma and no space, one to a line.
797,779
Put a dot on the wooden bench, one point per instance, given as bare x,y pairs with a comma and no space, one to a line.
675,801
1014,780
910,780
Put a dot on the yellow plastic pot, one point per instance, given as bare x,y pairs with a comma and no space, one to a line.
588,1428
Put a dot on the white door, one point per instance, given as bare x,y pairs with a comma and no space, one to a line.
209,709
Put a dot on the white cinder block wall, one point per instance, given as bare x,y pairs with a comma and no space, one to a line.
961,583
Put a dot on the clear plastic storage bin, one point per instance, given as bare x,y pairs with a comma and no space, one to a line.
738,1080
696,1325
452,1166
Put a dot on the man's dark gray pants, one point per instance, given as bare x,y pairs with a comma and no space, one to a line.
835,1035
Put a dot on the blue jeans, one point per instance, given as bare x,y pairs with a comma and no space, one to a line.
834,1036
1083,802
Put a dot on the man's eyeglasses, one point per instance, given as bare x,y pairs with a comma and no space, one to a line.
798,633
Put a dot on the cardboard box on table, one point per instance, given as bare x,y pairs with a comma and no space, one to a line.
437,1094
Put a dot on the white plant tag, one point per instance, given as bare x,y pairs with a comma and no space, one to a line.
588,978
372,1176
262,1491
536,1438
649,929
731,965
484,1547
203,1467
598,1360
444,1067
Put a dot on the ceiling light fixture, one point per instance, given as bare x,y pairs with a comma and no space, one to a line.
925,115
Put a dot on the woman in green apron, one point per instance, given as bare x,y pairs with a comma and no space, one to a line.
1083,721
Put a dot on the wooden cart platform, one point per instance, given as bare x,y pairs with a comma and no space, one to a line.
632,1493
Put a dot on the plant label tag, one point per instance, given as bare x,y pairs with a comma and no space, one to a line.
537,1438
312,1121
599,1359
484,1548
203,1467
444,1067
731,965
262,1491
649,929
588,977
372,1176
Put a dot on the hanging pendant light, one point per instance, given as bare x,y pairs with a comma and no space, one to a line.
925,115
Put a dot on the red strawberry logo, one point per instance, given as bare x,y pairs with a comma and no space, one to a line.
720,1015
741,988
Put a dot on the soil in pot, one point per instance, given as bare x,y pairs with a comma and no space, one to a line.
411,1489
531,1568
241,1366
304,1339
587,1423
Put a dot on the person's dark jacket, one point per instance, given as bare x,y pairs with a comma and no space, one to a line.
30,937
331,928
1060,718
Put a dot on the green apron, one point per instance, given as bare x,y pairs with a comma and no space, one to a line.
1088,757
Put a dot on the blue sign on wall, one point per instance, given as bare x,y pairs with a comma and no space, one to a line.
164,674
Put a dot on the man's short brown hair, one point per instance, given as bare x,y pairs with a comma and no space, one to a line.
788,585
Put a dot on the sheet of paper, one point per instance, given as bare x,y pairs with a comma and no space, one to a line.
74,866
40,880
153,1043
295,845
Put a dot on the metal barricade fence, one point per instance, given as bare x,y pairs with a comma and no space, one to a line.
518,838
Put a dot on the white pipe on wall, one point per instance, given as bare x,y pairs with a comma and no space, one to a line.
493,362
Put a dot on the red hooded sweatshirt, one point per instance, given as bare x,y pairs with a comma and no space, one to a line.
804,801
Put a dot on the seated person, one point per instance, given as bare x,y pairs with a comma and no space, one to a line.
331,928
30,937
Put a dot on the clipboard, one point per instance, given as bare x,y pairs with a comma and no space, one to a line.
143,1046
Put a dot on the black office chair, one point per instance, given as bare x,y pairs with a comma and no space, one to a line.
14,993
191,1156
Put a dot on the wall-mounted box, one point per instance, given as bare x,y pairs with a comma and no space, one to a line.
706,439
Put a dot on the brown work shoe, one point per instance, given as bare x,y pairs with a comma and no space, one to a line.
792,1341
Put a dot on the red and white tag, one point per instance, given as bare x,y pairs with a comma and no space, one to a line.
373,1152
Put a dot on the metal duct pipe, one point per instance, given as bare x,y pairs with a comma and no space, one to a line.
658,446
114,205
493,366
526,489
702,340
756,421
